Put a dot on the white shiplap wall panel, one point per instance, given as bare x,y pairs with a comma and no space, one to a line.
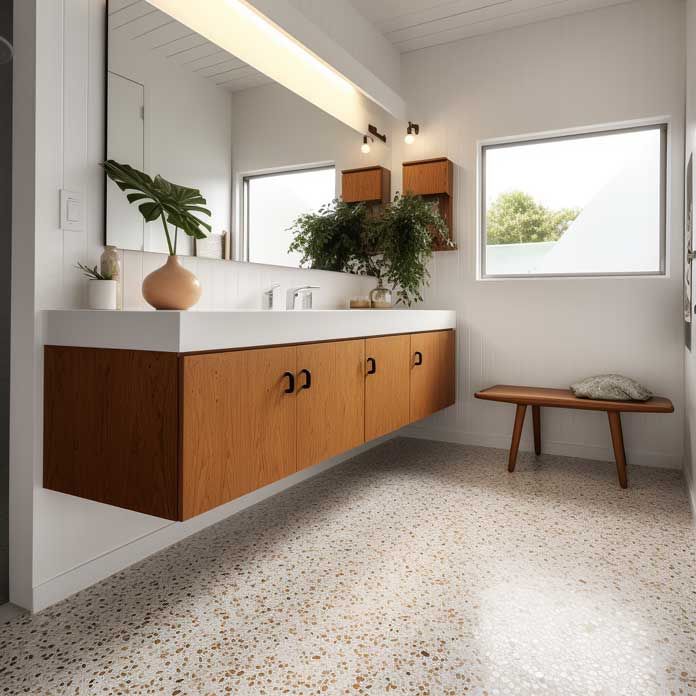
690,356
616,64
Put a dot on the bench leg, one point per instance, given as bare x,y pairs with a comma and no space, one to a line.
536,419
516,435
618,442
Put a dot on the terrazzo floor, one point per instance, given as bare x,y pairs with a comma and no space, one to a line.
416,568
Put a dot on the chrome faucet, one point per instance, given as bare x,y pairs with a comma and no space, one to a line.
267,302
300,298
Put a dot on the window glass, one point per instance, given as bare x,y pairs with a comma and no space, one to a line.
272,204
575,205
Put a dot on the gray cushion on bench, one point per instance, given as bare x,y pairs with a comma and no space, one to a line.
611,388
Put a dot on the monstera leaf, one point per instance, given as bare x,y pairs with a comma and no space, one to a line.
159,198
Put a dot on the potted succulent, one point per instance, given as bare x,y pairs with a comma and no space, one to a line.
101,288
394,246
172,286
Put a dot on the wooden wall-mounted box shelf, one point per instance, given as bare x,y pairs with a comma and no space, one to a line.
366,185
433,179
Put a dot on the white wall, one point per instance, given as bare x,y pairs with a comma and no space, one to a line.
23,349
616,64
5,293
690,356
60,544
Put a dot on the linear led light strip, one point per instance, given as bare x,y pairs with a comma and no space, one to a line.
289,42
239,28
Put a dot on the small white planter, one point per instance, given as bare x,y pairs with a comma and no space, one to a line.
101,294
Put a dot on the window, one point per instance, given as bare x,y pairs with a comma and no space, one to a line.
272,203
586,204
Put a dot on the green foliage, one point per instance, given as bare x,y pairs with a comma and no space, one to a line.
174,204
405,233
93,273
332,238
395,245
516,218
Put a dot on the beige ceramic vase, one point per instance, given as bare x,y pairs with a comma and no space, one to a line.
172,286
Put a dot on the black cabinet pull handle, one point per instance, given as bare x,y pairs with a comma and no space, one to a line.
308,379
291,382
373,366
419,358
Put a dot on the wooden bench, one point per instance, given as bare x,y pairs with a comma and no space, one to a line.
536,397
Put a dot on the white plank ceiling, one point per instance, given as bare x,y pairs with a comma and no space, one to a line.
150,29
413,24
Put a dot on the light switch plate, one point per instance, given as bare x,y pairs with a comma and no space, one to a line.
71,210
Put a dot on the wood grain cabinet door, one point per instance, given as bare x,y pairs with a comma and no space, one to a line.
432,373
238,425
386,384
110,427
428,177
330,400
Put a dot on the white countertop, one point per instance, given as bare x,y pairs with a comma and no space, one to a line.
187,332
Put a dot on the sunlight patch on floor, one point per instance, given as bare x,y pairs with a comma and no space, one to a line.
561,638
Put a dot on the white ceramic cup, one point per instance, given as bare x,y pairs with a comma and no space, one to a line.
101,294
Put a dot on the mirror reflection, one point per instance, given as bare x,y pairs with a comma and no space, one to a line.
181,107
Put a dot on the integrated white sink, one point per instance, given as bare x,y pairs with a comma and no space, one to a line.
187,332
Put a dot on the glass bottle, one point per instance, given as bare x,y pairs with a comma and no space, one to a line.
380,297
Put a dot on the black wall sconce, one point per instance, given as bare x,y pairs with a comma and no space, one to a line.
411,132
373,131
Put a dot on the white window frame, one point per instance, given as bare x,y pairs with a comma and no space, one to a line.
244,198
663,123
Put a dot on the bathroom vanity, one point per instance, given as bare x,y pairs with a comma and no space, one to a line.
174,413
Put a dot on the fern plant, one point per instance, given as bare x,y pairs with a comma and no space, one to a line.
332,238
175,205
405,234
394,245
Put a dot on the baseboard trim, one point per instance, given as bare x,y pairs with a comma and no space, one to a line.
9,612
87,574
660,460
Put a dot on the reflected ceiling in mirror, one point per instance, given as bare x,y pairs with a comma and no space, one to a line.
182,107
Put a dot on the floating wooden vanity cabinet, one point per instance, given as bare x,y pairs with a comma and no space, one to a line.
366,185
175,434
238,425
111,426
432,179
386,384
432,373
330,400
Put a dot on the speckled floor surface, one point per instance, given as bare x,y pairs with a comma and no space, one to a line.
417,568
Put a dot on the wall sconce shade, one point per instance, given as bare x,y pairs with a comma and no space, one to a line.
411,132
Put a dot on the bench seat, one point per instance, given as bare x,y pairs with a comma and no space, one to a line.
536,397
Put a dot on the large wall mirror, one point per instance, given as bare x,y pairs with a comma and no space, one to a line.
182,107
